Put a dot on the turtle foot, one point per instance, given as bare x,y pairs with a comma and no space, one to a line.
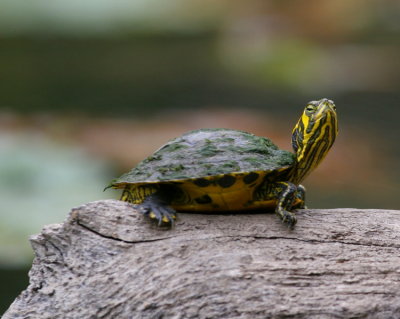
158,211
287,218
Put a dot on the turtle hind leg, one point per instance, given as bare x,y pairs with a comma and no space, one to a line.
152,203
157,209
286,196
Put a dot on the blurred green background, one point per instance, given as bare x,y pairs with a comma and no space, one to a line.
89,88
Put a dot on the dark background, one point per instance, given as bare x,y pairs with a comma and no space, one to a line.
89,89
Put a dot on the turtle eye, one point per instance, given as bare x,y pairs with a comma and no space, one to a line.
311,108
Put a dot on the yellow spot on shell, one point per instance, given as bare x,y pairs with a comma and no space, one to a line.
152,215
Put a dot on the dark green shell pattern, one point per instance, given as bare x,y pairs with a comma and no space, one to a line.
208,152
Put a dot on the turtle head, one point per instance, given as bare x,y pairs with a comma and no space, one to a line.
313,136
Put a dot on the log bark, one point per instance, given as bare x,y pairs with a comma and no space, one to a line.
107,261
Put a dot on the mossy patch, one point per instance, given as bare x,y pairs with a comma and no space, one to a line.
231,165
252,160
171,172
286,158
209,150
223,140
258,140
173,147
154,157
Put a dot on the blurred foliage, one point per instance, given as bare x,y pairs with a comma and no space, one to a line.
39,183
135,57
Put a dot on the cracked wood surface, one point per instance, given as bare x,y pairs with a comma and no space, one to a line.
106,261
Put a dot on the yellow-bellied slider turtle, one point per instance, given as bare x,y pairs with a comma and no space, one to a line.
230,170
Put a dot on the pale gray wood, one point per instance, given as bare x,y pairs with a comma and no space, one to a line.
107,261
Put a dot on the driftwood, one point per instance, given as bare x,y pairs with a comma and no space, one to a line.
106,261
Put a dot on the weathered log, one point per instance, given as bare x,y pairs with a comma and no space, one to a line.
107,261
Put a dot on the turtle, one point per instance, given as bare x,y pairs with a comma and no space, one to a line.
226,170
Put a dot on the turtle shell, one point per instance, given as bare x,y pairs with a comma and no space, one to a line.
208,152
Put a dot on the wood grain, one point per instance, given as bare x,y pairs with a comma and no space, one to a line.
107,261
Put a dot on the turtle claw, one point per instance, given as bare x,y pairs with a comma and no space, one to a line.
287,218
166,216
157,211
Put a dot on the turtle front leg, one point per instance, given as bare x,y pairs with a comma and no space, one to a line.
151,202
300,202
286,196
